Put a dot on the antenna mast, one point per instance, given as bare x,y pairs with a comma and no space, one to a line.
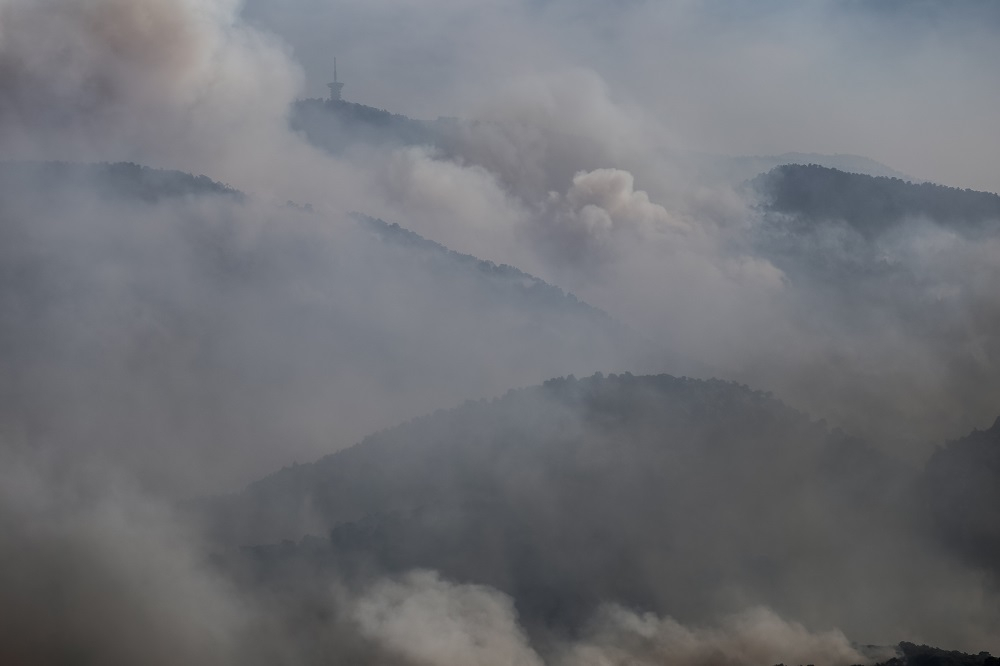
336,86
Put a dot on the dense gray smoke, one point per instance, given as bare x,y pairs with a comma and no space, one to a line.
93,570
432,621
166,337
168,82
910,84
200,340
648,491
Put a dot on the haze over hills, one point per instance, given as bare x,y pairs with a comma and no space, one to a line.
635,491
456,492
253,323
749,166
875,205
121,180
961,486
336,125
853,307
377,306
616,461
339,125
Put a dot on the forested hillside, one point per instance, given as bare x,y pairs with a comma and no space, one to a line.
158,296
119,180
554,346
337,124
643,491
961,486
874,204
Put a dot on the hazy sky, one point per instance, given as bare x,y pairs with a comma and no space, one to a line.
911,84
583,179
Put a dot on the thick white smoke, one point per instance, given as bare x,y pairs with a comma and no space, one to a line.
429,620
93,570
558,172
757,636
433,621
179,83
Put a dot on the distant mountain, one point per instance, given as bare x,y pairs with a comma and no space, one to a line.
755,164
873,205
961,485
734,170
335,125
238,324
891,265
923,655
164,313
111,180
502,280
647,491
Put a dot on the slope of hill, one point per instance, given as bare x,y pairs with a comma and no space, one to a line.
501,278
906,273
163,319
858,164
961,485
664,494
873,205
734,170
111,180
337,124
157,302
910,654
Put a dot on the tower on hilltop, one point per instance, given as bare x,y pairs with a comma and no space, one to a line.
336,86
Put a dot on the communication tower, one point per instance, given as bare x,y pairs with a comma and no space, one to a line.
336,86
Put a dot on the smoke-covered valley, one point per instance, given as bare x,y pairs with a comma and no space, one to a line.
286,379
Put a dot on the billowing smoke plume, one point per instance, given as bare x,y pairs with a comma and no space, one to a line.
436,622
92,570
174,83
756,636
430,620
163,336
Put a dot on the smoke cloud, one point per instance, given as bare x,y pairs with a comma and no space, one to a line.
756,636
93,570
436,622
429,620
163,82
164,337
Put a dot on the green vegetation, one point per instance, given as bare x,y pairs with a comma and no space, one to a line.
961,486
123,180
873,205
645,490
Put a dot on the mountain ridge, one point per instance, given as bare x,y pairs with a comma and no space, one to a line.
873,204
